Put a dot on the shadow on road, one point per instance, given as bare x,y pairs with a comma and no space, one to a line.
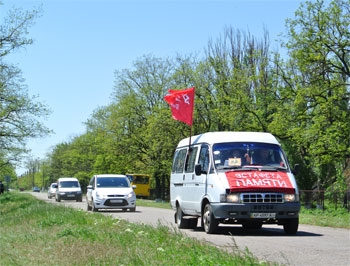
237,230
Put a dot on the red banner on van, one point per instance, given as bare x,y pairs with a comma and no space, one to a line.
258,180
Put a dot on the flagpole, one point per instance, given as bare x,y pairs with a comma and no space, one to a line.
189,145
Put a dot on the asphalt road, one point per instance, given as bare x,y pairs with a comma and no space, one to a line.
311,246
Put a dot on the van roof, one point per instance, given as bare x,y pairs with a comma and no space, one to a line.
230,136
67,179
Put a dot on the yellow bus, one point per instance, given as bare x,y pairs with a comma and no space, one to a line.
142,183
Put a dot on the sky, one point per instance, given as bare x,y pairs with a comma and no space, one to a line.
79,44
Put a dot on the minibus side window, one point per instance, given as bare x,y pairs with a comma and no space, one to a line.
191,160
179,161
204,158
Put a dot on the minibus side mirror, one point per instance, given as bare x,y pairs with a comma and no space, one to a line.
198,169
296,169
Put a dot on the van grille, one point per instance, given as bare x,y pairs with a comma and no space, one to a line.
262,197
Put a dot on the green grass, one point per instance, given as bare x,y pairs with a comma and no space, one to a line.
153,203
337,218
34,232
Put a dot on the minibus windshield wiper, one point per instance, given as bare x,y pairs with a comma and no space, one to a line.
267,168
236,168
274,167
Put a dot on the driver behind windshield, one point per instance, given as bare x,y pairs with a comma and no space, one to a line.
264,157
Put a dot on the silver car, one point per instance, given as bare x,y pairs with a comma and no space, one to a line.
110,191
52,190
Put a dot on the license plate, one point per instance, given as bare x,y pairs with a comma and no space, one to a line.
263,215
116,201
70,195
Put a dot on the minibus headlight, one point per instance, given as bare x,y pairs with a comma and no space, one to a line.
289,197
234,198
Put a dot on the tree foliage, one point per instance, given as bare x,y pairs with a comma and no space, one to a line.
314,88
239,82
20,112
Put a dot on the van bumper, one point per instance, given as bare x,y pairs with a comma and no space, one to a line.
71,196
261,211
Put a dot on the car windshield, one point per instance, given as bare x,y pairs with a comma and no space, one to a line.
245,155
69,184
105,182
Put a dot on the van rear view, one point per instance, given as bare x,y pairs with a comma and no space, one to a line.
233,178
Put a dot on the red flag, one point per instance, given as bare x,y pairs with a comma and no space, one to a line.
181,103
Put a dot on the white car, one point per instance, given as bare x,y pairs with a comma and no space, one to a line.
52,190
110,191
68,188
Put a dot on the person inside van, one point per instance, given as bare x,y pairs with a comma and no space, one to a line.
262,156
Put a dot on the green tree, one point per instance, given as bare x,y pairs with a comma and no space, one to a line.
238,90
20,113
314,90
103,135
7,170
75,158
139,96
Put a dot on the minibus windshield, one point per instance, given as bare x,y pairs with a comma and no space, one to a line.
237,155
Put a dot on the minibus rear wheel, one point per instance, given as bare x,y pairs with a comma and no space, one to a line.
181,222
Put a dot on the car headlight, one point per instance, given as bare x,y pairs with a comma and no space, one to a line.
233,198
130,195
289,197
100,196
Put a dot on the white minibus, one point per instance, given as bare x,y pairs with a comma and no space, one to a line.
233,178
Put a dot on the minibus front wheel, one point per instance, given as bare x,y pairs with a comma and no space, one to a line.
210,224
